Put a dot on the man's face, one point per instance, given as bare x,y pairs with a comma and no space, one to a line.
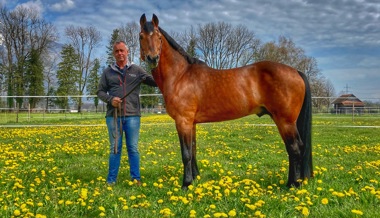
120,52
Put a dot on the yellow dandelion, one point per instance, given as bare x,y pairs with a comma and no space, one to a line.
232,213
325,201
17,213
358,212
305,211
193,213
101,208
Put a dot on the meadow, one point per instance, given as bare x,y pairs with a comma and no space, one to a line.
59,170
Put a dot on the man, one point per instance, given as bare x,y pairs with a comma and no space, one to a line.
123,115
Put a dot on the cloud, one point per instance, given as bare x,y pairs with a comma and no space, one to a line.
343,37
64,6
37,6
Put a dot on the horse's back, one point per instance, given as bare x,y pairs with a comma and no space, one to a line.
259,88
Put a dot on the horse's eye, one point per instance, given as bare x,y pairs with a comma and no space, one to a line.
141,36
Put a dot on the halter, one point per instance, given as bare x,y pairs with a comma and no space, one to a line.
160,50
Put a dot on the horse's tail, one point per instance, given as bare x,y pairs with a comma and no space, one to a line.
304,129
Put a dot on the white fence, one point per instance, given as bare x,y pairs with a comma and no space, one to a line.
42,112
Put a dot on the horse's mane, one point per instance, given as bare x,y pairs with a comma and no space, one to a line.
178,48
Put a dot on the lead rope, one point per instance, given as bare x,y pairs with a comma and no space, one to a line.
118,128
119,132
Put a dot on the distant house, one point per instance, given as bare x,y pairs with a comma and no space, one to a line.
347,104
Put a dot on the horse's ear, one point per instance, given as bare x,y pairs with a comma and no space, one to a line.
142,20
155,20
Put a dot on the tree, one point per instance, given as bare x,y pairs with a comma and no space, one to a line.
114,37
24,34
34,74
223,46
68,74
50,78
93,82
189,41
129,33
286,52
83,40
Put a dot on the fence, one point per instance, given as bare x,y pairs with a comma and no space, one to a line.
44,113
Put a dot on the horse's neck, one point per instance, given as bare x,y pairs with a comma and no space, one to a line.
171,66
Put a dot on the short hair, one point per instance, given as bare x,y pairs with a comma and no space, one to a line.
118,42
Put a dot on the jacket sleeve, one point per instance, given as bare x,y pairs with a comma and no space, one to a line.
102,91
148,80
145,77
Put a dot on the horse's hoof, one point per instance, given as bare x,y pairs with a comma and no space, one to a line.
293,184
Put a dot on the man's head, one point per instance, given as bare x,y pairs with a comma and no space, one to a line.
120,52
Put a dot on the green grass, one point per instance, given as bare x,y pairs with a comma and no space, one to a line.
59,171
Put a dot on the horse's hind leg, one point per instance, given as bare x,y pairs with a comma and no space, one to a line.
294,147
187,141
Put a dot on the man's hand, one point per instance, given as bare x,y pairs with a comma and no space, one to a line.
116,102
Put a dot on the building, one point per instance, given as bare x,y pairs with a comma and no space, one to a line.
348,104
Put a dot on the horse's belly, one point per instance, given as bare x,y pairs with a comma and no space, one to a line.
224,113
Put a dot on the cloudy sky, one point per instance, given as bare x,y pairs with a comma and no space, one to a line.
343,35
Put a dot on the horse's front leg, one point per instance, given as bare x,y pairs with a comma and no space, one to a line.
186,134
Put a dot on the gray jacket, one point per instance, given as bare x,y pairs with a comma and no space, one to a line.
116,82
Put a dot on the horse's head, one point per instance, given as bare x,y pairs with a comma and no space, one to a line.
150,41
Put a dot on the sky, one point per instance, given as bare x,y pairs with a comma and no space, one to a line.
342,35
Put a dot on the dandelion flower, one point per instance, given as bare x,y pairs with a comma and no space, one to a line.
325,201
232,213
358,212
17,213
305,211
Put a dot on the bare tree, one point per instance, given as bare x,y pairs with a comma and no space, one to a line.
188,40
51,62
130,34
285,51
84,40
223,46
309,66
23,31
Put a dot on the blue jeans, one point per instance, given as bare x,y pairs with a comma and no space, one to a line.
131,129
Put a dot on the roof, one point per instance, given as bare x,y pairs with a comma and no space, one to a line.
348,100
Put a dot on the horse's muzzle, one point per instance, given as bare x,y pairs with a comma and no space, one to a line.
152,61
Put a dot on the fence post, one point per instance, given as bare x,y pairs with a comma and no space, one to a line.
28,112
17,113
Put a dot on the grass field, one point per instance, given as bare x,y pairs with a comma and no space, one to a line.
59,170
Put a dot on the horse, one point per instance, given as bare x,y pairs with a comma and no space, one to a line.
195,93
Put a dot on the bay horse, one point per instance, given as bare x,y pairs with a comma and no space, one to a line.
196,93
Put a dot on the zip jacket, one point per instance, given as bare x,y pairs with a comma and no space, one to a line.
116,82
